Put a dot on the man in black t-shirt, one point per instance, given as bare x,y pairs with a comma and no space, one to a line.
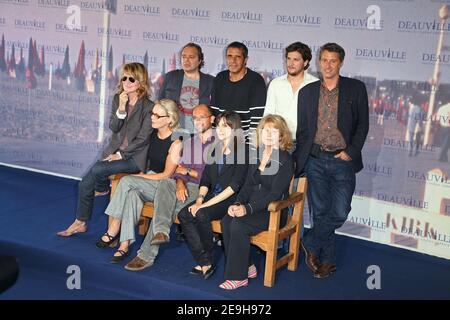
239,89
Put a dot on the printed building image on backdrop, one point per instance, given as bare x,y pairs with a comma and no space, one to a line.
60,64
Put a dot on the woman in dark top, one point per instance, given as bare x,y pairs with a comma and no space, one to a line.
126,203
127,150
221,181
267,180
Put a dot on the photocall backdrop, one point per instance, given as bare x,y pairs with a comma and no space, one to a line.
59,62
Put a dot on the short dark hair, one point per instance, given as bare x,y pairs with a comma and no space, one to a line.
199,52
232,119
301,48
239,45
332,47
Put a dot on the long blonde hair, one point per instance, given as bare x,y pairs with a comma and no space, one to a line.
285,139
140,73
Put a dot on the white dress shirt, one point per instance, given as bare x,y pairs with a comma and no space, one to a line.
283,102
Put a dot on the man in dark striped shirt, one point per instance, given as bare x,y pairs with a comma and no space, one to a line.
239,89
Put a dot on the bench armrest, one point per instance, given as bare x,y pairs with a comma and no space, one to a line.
115,178
282,204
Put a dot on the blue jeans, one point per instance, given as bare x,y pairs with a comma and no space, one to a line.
96,179
331,183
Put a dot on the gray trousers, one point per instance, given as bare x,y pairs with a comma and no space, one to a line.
166,210
127,202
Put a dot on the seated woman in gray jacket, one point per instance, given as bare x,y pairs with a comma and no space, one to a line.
268,178
127,150
221,180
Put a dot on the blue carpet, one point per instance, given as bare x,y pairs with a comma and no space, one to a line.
35,206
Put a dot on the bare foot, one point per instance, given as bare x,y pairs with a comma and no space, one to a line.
76,227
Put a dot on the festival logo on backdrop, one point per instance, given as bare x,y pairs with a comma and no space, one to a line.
300,20
143,9
191,13
54,4
161,36
237,16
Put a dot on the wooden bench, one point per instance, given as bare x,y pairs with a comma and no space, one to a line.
266,240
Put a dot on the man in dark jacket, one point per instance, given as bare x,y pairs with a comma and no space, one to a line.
189,86
333,122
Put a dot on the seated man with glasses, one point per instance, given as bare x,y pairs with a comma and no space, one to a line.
173,194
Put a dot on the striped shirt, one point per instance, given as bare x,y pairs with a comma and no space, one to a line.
247,97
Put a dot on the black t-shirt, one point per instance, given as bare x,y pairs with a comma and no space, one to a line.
157,152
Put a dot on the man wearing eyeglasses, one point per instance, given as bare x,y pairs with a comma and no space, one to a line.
188,86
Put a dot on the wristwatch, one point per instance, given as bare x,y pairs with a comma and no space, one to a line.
188,170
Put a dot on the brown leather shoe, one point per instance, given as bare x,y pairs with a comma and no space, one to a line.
325,270
311,259
138,264
159,238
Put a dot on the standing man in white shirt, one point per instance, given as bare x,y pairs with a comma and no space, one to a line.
283,91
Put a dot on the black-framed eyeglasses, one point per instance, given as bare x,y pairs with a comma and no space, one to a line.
157,116
131,79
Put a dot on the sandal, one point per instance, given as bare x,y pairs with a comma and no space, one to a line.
196,271
117,259
112,241
208,273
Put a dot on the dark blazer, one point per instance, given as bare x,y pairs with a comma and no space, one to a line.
137,126
232,174
261,189
353,120
173,81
